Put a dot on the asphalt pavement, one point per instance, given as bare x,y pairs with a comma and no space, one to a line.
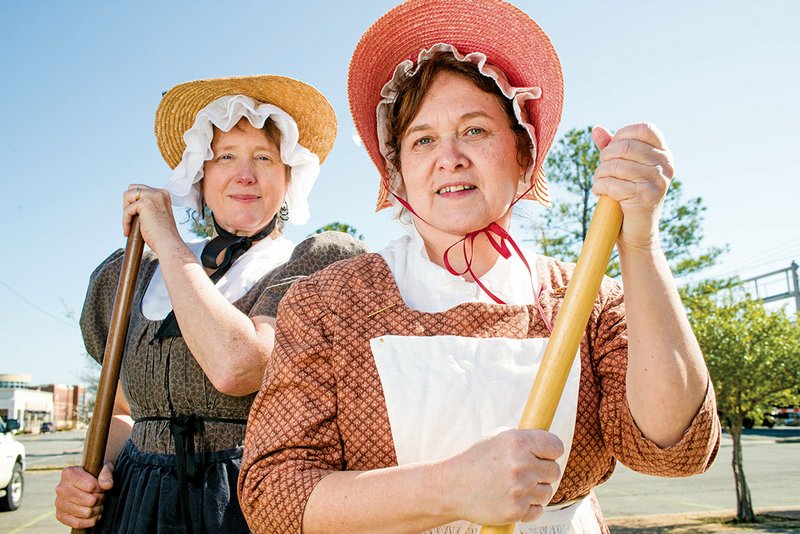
771,463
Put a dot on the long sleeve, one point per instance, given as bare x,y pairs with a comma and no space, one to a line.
698,447
286,458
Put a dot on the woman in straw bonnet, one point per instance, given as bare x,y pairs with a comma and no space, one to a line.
202,328
394,371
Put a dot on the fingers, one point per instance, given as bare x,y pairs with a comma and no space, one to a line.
106,477
533,470
533,513
131,205
642,131
78,517
154,208
545,445
601,137
638,152
505,477
635,165
624,180
79,498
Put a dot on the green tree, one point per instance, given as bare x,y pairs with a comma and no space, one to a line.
753,355
337,226
570,169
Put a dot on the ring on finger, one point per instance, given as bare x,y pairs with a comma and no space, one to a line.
138,194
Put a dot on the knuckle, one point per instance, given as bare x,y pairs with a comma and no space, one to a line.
647,127
534,512
516,492
625,147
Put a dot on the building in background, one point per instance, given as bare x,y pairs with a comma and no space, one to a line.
69,405
63,405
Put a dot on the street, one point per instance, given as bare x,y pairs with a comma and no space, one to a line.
772,465
36,514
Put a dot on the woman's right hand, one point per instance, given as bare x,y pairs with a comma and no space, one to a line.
154,208
79,496
504,478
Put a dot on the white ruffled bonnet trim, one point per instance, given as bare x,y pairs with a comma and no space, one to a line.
224,113
407,68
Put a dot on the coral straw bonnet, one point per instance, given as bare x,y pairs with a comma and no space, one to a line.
185,116
511,41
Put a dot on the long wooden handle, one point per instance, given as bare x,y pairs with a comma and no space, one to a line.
570,323
97,436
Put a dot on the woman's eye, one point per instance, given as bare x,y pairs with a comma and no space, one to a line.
474,131
224,157
263,157
422,141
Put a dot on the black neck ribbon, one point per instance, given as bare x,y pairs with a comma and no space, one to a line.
234,246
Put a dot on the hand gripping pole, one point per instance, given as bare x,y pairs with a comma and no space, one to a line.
97,436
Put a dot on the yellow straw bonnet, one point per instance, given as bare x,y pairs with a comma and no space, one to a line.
315,118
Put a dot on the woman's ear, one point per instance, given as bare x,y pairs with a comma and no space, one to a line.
400,189
522,184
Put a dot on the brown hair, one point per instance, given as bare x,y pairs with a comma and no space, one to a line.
273,132
411,90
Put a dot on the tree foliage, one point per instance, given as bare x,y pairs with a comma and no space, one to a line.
337,226
570,168
753,355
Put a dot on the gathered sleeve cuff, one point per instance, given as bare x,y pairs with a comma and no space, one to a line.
698,447
292,439
692,455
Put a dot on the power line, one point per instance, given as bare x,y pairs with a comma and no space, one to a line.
782,253
34,306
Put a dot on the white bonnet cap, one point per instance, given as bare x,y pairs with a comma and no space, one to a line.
224,113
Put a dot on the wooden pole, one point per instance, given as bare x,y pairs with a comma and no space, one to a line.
97,436
570,323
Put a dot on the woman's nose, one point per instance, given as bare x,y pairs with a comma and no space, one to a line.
245,172
451,156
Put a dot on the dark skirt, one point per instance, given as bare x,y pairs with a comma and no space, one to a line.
145,497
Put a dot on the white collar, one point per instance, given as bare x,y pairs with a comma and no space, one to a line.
248,269
430,288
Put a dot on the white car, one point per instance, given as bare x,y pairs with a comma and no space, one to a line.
12,467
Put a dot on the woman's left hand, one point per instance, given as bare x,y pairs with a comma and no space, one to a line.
154,208
635,170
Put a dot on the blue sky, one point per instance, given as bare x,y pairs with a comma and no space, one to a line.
81,82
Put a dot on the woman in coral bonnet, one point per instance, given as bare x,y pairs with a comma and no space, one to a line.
398,376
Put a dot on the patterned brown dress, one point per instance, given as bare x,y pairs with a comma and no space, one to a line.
160,378
322,407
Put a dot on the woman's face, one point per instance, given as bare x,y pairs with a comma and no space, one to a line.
458,160
245,181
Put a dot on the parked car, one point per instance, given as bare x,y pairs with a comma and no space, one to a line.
12,467
47,426
787,415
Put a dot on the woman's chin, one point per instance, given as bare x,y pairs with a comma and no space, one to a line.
460,224
245,227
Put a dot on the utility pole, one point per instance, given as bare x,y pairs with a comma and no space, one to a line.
792,285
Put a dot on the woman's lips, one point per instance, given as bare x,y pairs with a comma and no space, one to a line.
455,191
244,198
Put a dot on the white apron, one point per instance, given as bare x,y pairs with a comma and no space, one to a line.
444,393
